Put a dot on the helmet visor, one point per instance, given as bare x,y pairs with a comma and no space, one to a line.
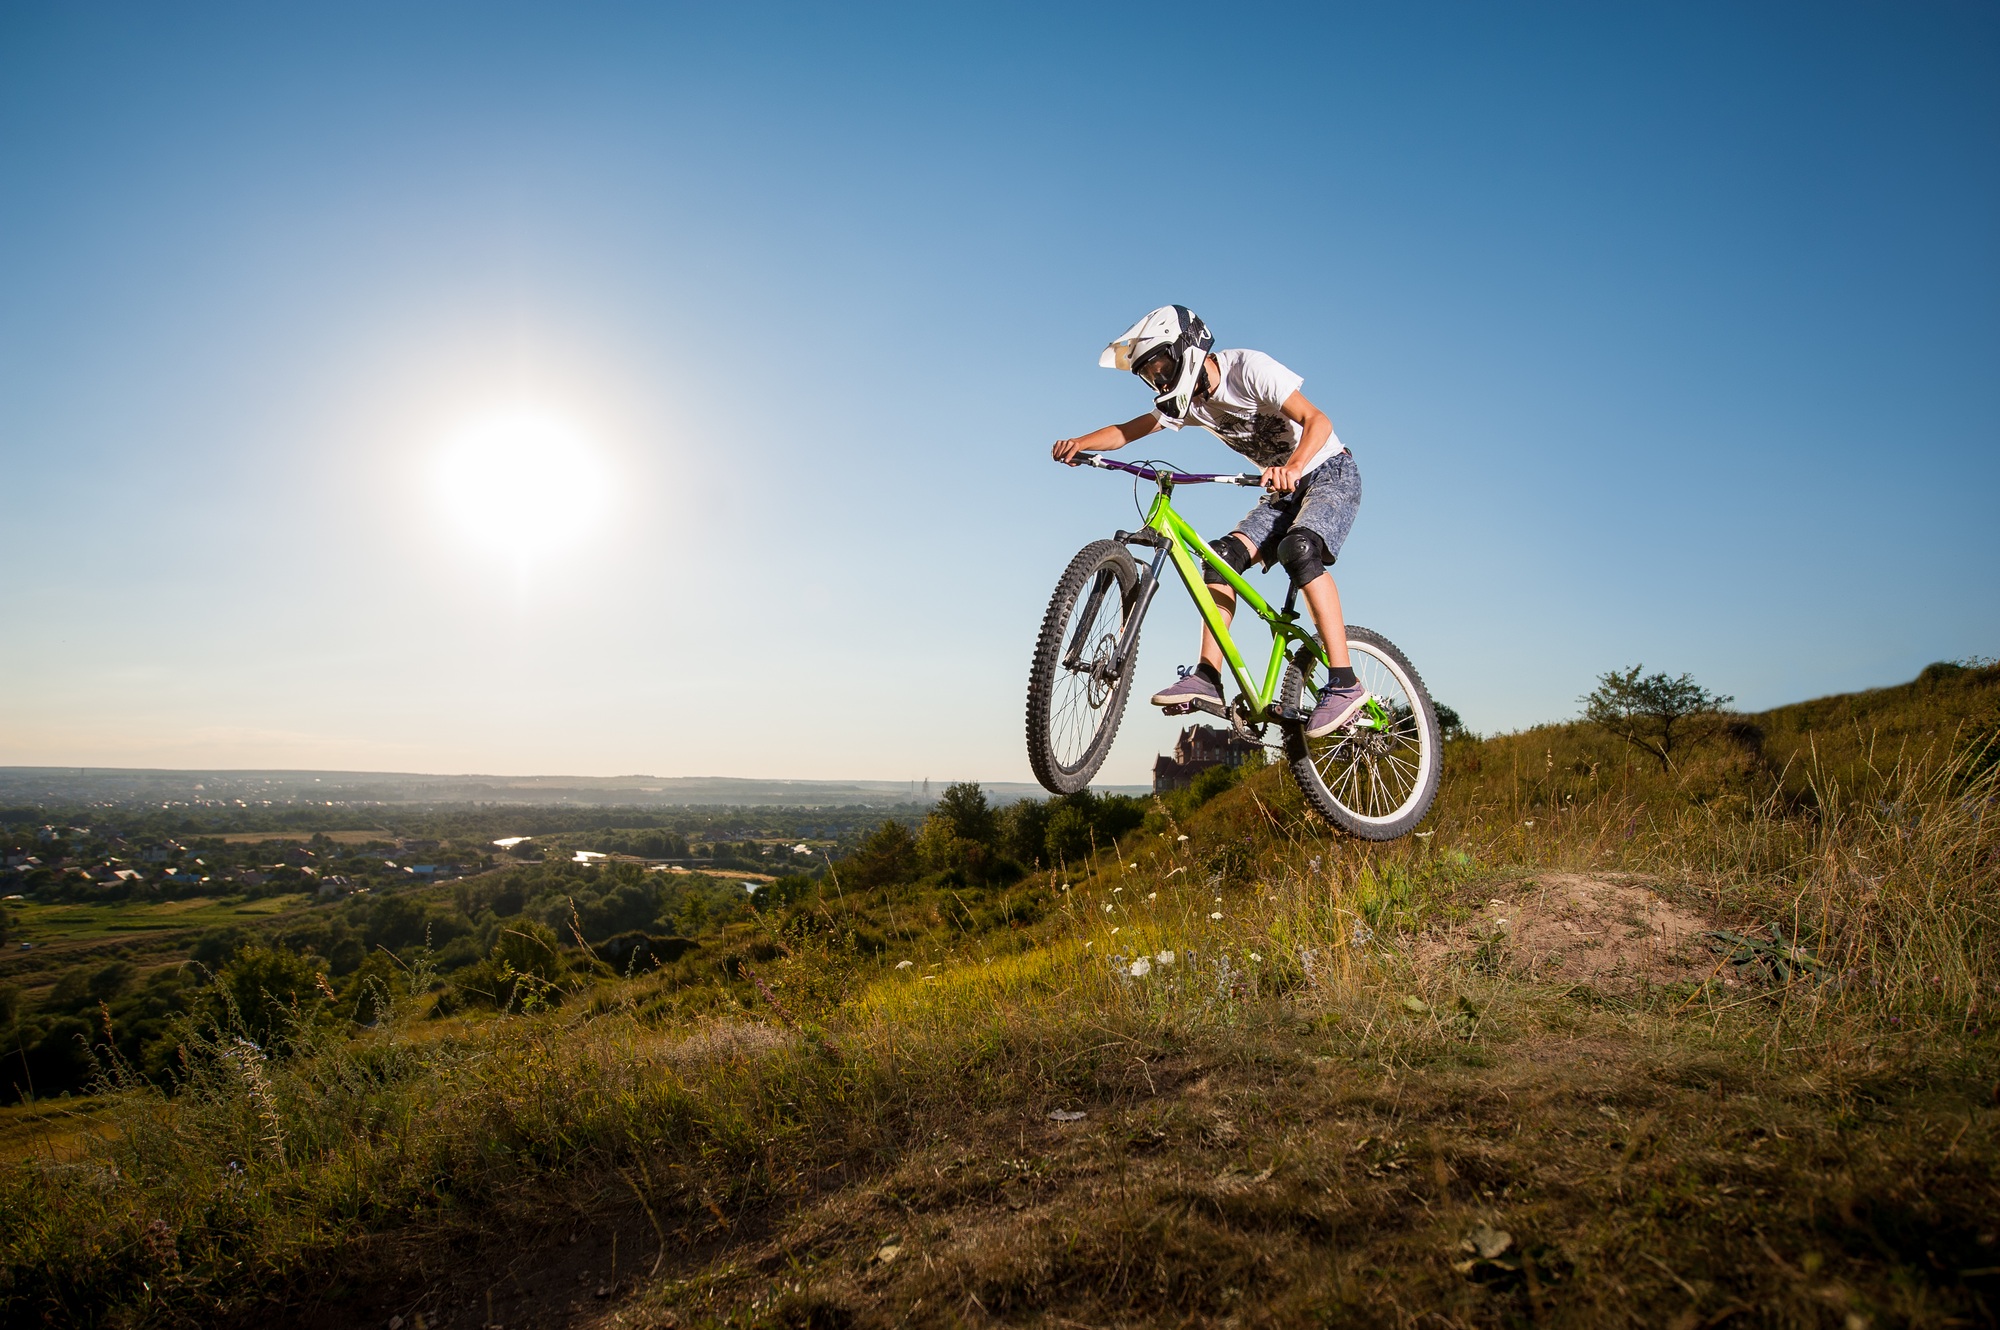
1160,368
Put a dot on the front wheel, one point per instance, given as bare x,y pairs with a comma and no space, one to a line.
1376,778
1075,695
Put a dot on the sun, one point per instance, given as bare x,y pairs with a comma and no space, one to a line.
522,481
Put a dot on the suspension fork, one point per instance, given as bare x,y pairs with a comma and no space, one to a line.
1087,617
1149,586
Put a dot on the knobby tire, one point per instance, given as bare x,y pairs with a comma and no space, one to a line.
1073,713
1373,785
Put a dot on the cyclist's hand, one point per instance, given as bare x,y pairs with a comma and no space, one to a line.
1066,450
1281,479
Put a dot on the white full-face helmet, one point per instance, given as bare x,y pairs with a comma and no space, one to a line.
1168,349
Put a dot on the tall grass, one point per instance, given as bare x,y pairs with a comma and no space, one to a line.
256,1167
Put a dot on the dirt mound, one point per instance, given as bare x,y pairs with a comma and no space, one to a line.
1611,933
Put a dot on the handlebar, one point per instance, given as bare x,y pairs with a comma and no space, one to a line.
1177,477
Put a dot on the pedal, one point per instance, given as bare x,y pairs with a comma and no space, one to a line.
1177,709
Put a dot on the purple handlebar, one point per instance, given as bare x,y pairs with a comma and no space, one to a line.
1179,478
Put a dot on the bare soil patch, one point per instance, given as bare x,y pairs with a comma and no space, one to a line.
1612,933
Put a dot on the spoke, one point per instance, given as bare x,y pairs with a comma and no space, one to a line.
1401,765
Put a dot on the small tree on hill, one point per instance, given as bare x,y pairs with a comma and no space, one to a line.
1653,713
886,858
965,810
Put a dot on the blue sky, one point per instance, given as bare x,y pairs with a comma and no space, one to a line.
1661,333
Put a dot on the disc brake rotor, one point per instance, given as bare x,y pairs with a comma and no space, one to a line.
1101,681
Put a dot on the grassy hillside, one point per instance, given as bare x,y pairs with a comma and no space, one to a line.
1225,1067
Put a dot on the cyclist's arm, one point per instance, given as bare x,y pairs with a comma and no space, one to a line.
1314,428
1108,439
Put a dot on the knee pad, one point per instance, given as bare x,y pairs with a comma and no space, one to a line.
1303,554
1233,553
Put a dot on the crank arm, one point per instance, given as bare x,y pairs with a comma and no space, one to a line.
1198,704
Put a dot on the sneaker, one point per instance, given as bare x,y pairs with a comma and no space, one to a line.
1337,707
1190,688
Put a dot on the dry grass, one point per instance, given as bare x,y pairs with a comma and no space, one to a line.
1297,1106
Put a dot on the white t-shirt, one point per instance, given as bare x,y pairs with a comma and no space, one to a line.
1246,410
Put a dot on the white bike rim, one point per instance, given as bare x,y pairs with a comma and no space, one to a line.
1420,778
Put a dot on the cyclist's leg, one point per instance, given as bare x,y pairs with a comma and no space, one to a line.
1327,505
1225,596
1204,682
1323,600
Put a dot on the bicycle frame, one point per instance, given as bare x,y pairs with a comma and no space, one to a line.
1174,539
1189,551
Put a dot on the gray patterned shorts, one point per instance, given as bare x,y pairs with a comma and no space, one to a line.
1324,503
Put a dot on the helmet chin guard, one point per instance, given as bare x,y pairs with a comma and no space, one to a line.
1178,330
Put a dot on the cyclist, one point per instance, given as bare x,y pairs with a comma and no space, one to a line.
1253,404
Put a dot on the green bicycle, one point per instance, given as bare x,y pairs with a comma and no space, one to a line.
1374,779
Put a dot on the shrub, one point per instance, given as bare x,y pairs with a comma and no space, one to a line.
887,857
964,809
1652,713
1079,823
520,974
1025,830
216,947
264,994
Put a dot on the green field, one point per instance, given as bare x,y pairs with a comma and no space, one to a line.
147,934
65,922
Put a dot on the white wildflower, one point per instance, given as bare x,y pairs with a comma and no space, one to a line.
1114,932
1255,957
903,965
1183,838
1107,907
1216,915
1141,968
1165,958
1152,895
1132,865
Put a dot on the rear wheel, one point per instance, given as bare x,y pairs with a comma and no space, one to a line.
1075,699
1376,778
